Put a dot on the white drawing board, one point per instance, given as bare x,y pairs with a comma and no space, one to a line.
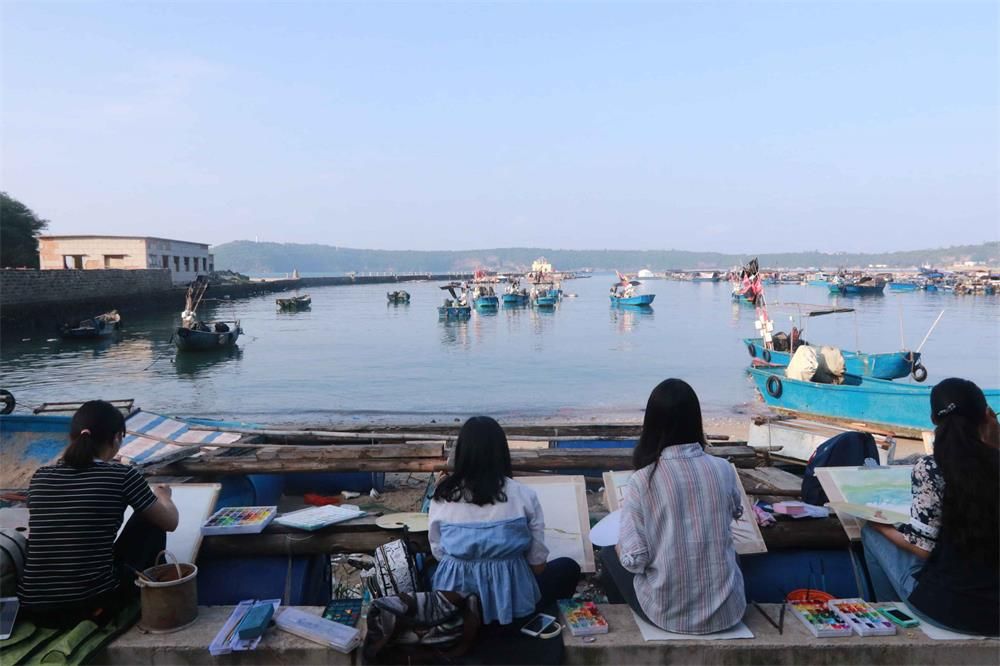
194,502
567,520
885,488
746,533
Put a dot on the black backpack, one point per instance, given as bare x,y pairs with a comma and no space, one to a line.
848,449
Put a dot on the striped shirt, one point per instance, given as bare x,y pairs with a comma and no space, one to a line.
75,515
676,538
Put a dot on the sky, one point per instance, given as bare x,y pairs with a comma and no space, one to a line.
734,127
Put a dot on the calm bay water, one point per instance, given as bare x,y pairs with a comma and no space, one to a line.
353,358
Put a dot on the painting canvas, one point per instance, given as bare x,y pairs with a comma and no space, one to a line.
881,494
195,503
746,533
567,520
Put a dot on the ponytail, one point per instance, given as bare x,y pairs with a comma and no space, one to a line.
94,428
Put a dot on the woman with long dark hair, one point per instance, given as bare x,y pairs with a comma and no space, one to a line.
487,531
945,563
76,569
675,563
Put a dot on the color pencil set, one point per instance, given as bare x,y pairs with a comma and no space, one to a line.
239,520
842,617
819,619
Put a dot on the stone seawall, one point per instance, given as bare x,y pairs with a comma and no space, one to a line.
35,300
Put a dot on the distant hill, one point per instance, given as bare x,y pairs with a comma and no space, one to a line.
256,258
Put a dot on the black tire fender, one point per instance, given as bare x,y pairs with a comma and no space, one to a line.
919,373
7,402
766,355
751,350
773,386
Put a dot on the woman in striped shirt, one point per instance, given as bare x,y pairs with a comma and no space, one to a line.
675,563
76,569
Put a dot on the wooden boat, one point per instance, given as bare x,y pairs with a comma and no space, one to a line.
294,304
515,295
864,286
706,276
890,365
101,326
545,298
456,307
196,335
485,297
642,300
904,286
623,293
398,297
878,402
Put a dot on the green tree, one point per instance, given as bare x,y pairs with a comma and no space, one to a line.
19,229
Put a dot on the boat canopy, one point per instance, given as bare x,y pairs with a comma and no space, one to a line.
808,309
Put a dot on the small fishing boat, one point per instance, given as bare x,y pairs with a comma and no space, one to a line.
706,276
515,295
101,326
893,405
196,335
294,304
623,292
485,298
456,307
904,286
863,286
545,298
398,297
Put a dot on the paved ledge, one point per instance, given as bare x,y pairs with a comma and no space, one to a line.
623,645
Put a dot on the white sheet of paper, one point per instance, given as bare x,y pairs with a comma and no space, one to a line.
939,634
194,502
567,521
651,633
605,532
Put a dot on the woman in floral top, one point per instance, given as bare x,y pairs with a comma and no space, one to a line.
943,563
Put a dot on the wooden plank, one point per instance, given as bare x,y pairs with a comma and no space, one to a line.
770,481
819,533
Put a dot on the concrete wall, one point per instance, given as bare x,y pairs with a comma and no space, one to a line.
29,287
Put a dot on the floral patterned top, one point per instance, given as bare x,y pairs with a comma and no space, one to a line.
925,511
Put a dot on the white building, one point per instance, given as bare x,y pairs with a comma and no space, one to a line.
185,260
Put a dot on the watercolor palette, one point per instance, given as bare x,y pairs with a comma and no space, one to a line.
862,617
582,617
819,619
239,520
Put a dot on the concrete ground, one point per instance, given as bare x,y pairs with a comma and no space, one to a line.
622,645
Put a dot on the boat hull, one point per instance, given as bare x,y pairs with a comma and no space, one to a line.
643,299
186,339
903,286
454,312
856,289
514,299
875,402
890,365
818,283
487,303
546,301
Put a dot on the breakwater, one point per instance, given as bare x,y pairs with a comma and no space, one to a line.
39,301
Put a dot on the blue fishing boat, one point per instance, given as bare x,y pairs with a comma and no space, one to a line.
875,402
890,365
95,328
456,307
623,292
546,298
904,286
515,295
864,286
485,298
642,300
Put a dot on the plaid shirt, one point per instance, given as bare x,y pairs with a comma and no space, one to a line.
676,538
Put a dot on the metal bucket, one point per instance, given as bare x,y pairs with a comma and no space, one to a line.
169,596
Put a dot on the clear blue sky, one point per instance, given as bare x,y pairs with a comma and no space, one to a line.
737,126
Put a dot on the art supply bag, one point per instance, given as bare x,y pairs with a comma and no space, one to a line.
425,628
395,571
848,449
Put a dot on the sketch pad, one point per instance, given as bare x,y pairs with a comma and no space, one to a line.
567,520
194,502
651,633
605,533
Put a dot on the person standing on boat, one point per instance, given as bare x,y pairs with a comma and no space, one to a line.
487,532
675,563
76,569
944,562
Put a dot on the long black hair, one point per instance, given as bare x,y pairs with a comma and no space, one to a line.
673,416
94,427
482,462
970,466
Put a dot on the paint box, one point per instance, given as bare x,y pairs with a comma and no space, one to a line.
344,611
582,617
239,520
819,619
863,618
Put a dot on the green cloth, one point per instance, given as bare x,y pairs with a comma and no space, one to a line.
34,646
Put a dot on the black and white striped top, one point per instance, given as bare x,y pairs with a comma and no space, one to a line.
75,515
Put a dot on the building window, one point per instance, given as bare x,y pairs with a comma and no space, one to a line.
177,264
74,261
211,267
204,264
166,261
114,261
187,264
